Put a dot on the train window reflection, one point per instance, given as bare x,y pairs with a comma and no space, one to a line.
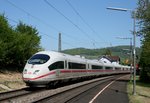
108,67
39,59
118,68
57,65
76,65
97,67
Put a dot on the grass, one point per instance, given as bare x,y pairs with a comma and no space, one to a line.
142,92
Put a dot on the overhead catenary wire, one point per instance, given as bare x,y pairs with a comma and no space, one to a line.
39,20
85,22
48,25
57,39
54,38
69,20
46,34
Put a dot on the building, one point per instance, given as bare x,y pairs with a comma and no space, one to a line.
110,59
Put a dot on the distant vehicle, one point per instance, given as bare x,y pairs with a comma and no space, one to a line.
48,68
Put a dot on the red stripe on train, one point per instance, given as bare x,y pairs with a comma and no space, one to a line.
66,71
51,73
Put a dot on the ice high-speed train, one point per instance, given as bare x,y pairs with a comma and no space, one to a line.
47,68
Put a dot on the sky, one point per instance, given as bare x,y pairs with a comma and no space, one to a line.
82,23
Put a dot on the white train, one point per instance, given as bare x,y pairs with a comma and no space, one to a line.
47,68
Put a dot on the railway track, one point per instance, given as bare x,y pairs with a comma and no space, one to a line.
61,94
68,95
16,93
13,93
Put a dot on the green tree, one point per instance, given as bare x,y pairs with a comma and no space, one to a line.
17,44
108,52
28,42
6,36
143,15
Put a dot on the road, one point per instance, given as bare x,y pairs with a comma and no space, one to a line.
108,92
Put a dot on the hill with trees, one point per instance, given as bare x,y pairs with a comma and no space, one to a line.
122,51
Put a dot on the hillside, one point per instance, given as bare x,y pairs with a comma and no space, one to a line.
121,51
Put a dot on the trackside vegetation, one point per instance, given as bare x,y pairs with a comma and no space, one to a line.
17,44
142,92
143,17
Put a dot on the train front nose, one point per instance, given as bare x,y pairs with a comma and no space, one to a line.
34,69
30,77
33,76
28,74
34,65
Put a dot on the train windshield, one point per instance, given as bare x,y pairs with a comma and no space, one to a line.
39,59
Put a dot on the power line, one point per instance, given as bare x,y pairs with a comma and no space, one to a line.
45,34
77,13
58,39
45,23
52,37
68,19
30,14
34,17
12,20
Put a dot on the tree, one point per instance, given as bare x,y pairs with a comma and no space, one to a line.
6,36
108,52
17,44
28,42
143,15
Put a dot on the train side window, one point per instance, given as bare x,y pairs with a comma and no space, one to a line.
97,67
57,65
117,68
76,65
108,67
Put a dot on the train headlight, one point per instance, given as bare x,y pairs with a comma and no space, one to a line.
25,71
36,71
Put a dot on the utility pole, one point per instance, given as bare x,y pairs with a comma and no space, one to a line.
134,54
59,42
134,43
131,59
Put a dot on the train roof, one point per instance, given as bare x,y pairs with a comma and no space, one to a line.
63,55
76,58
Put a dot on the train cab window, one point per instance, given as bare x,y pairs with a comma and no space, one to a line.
57,65
38,59
97,67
